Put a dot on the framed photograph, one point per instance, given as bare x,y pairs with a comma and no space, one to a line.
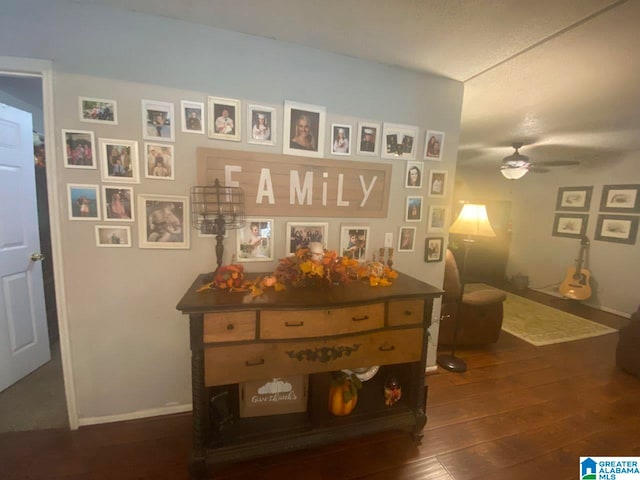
84,202
400,141
413,177
98,110
158,121
620,199
437,183
163,221
159,163
433,145
192,116
577,199
571,225
254,242
617,228
303,129
354,242
413,210
113,236
79,149
224,119
437,220
301,234
406,239
261,125
118,204
340,139
119,160
368,138
433,249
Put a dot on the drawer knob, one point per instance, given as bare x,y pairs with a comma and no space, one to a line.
294,324
359,319
407,313
386,348
255,363
230,326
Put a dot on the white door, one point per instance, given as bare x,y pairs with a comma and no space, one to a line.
24,339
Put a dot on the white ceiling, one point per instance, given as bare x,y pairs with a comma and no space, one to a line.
562,76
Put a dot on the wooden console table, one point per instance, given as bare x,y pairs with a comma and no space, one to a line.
305,331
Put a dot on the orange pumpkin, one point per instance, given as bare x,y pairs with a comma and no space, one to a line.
343,394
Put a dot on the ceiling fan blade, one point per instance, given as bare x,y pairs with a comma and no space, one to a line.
558,163
535,169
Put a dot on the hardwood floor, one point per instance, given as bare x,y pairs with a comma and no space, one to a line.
519,412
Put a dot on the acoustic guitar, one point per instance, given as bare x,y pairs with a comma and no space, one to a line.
576,284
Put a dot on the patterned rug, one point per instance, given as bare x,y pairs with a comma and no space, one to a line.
539,324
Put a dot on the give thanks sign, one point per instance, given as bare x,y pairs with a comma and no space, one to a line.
284,185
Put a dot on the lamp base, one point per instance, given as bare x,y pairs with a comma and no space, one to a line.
452,363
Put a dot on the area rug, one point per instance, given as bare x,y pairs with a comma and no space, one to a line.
539,324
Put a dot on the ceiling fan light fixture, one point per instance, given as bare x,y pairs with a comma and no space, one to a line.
514,173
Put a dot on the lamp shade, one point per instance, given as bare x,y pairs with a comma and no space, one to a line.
473,221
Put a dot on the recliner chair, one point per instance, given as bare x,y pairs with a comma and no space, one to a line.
479,315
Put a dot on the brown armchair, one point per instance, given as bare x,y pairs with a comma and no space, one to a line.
479,315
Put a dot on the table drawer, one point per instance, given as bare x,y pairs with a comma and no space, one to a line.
405,312
255,361
320,323
229,327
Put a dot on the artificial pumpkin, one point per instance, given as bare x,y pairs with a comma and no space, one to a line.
343,394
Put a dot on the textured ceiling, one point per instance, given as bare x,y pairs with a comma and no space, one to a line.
562,76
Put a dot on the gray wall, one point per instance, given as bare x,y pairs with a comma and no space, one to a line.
545,258
129,344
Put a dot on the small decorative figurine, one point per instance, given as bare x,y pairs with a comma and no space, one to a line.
392,391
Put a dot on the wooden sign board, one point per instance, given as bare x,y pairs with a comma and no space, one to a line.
285,185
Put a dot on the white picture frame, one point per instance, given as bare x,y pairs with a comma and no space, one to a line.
83,201
261,125
256,240
224,118
433,145
159,163
158,121
113,236
414,174
406,239
300,234
340,139
119,160
369,134
354,242
437,219
193,116
303,131
438,183
413,209
163,221
98,110
399,141
117,203
79,149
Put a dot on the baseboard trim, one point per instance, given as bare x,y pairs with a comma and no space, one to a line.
431,369
153,412
597,307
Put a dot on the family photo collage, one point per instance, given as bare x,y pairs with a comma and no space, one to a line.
163,220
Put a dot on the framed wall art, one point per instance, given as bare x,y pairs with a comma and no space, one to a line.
84,202
113,236
413,177
437,183
224,119
340,139
261,125
163,221
437,219
368,138
617,228
254,242
119,160
575,199
159,161
433,145
400,141
301,234
620,199
413,209
354,242
570,225
158,121
118,204
79,149
433,249
303,132
406,239
98,110
192,114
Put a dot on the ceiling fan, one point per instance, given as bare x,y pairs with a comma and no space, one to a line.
517,165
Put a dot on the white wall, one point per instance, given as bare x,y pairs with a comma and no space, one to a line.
129,345
545,258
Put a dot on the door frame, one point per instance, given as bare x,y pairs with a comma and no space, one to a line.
27,67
